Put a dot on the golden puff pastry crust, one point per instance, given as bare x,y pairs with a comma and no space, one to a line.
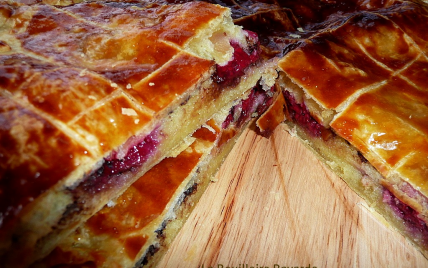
137,228
94,94
362,80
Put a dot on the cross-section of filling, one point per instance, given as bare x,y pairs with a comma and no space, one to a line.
412,219
256,103
229,73
148,198
410,216
113,173
300,114
135,157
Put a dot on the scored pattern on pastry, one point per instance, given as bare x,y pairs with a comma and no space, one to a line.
365,79
139,225
86,85
94,94
128,225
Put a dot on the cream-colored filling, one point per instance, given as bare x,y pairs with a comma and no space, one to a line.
214,42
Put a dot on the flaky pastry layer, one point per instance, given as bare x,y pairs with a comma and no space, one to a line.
100,87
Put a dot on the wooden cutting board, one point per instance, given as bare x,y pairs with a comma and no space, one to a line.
276,205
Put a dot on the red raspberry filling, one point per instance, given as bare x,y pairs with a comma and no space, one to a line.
135,157
235,68
257,102
139,153
410,216
299,113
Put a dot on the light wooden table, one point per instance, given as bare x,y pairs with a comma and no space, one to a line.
276,205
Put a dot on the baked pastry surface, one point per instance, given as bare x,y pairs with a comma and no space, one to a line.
94,94
353,81
357,89
137,228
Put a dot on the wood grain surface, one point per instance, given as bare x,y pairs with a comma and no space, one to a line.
276,205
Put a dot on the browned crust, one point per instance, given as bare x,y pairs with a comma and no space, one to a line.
60,70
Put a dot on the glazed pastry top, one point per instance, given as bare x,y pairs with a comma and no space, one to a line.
369,70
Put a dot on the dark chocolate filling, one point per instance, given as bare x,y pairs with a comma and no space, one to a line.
150,252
